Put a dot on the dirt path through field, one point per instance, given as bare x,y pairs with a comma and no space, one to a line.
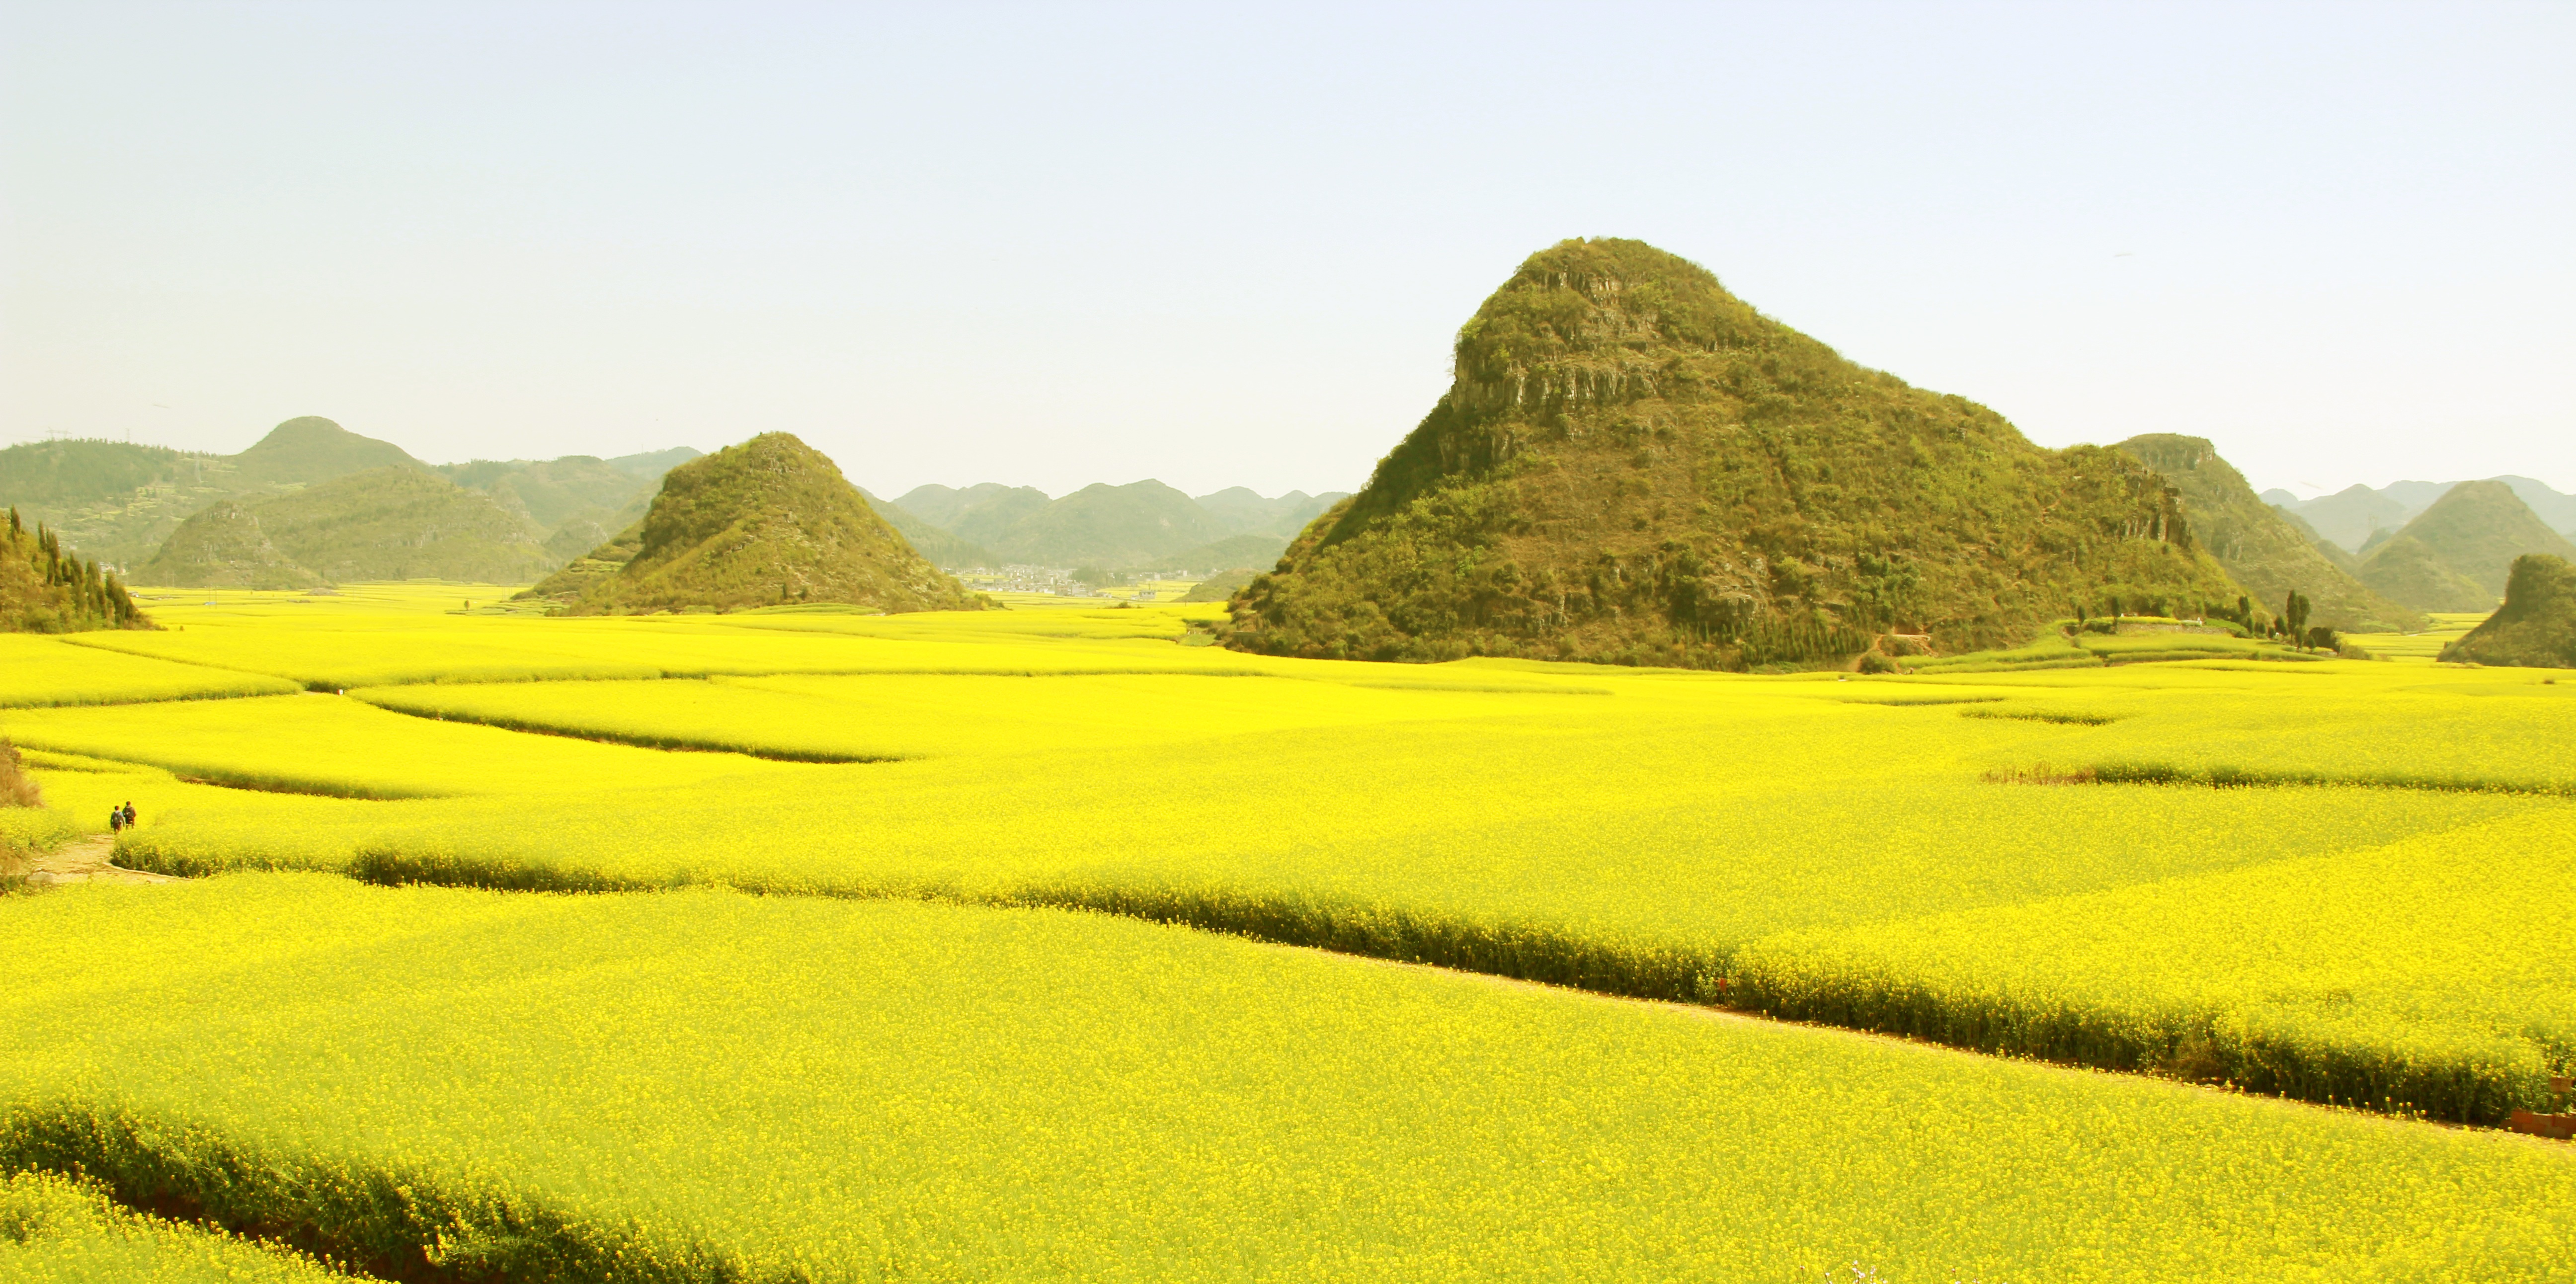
86,861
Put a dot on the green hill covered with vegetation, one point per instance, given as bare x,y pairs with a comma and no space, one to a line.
550,491
403,523
223,547
1634,466
313,449
389,524
1219,587
44,589
57,473
770,522
2257,543
2341,557
2536,626
942,548
980,514
2456,555
1234,552
121,503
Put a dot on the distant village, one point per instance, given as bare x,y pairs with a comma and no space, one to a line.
1060,581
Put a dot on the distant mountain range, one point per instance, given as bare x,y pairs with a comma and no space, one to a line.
2457,553
1141,525
2357,516
395,523
121,504
125,505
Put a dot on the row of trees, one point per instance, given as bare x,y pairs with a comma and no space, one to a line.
2290,626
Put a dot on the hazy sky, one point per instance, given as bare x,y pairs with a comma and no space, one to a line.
1058,244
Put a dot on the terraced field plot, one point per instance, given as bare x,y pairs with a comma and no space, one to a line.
704,1085
2304,878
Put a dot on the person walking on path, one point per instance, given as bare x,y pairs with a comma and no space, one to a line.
115,819
129,813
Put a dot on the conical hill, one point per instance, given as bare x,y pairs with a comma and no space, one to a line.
223,547
769,522
314,449
2258,544
1632,465
2456,554
2535,627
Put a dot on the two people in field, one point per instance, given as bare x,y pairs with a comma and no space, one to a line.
120,818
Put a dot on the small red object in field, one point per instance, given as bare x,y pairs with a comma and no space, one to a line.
2559,1083
2559,1126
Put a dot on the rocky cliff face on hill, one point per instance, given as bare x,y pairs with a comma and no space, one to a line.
770,522
2536,626
2456,555
1633,465
2259,545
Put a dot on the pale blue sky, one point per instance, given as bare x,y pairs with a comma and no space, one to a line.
1220,245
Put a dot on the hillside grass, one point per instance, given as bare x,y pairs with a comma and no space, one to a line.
704,1086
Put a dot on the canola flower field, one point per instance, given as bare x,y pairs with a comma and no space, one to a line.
2319,879
705,1085
54,1230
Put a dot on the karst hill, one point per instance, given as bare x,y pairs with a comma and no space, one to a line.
1632,465
2535,627
394,523
312,449
2455,555
770,522
2259,545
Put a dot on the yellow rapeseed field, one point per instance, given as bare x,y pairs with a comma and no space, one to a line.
2174,853
708,1086
54,1230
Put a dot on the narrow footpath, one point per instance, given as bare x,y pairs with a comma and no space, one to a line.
86,861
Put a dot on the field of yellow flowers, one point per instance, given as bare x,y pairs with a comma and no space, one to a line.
2320,879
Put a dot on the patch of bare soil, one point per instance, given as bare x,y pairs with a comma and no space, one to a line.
88,860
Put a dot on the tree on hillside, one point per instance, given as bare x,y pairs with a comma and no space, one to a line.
44,589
